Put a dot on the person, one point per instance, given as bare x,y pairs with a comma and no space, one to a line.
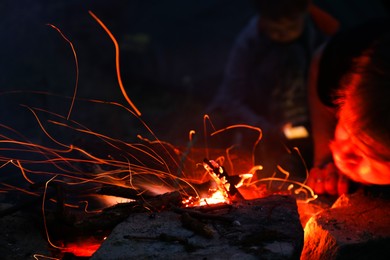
349,87
265,77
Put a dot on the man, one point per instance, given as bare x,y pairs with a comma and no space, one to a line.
265,78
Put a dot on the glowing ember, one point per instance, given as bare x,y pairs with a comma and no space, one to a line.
218,193
216,197
108,201
83,248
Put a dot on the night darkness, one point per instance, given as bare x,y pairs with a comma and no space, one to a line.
173,55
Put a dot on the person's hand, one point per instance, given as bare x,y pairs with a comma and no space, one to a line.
328,180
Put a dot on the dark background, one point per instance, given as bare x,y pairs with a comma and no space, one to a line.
173,54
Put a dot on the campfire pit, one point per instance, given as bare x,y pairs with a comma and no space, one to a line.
250,220
247,223
248,229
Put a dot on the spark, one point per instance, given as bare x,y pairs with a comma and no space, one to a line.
76,66
40,257
118,73
206,119
23,172
191,135
44,214
303,188
248,127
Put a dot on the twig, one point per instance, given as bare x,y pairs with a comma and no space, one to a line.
122,192
112,216
196,226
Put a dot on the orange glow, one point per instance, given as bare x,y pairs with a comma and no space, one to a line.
356,154
84,248
216,198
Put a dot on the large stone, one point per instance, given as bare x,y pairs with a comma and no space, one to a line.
267,228
21,236
357,226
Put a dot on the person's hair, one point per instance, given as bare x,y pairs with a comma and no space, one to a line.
279,9
367,87
340,52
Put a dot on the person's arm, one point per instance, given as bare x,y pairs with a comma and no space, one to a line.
324,177
326,22
323,119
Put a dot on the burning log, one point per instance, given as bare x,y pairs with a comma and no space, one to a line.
223,180
112,216
122,192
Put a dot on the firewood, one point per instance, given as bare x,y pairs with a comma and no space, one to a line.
113,215
216,207
122,192
197,226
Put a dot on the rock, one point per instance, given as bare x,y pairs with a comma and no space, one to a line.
21,238
357,226
267,228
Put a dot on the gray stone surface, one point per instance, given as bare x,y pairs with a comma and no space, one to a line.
356,227
266,228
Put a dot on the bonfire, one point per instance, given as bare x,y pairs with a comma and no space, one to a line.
89,186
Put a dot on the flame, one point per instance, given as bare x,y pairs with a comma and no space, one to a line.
216,197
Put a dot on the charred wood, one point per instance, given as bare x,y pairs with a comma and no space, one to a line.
196,226
112,216
123,192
